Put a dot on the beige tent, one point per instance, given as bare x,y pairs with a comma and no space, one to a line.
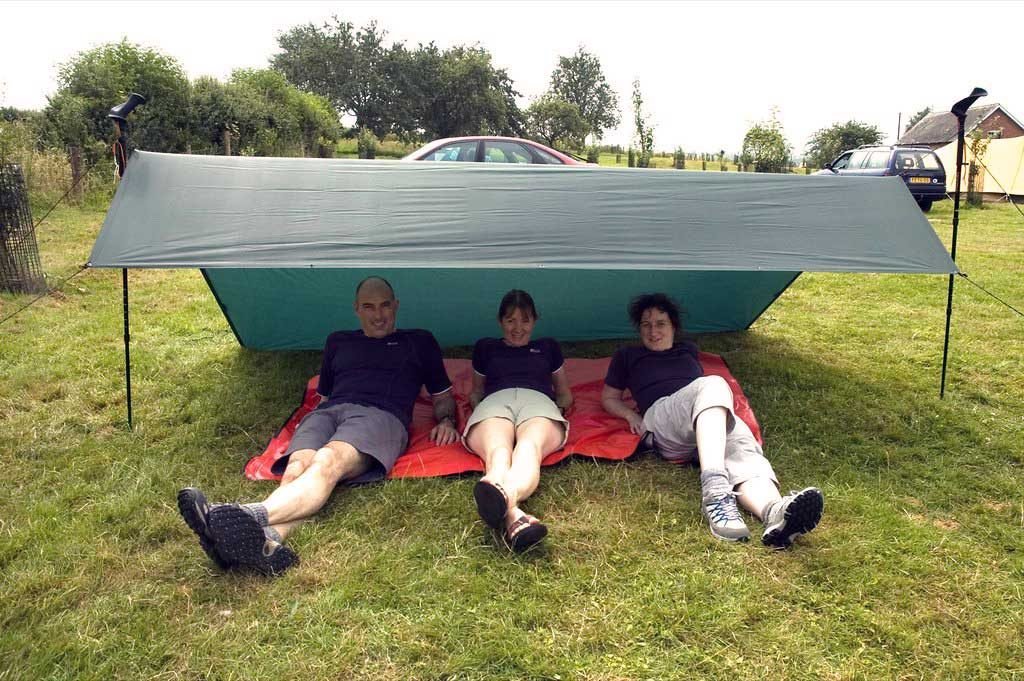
1004,161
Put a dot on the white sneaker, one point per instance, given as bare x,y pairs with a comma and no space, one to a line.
724,517
795,514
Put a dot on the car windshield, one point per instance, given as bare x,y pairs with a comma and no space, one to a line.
917,159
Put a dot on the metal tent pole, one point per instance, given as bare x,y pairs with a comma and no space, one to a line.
119,114
127,352
960,111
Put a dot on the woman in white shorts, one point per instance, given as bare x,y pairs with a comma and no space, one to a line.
691,418
519,398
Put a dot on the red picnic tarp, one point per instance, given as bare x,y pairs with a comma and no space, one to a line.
592,431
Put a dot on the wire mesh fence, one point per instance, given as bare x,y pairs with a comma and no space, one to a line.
20,269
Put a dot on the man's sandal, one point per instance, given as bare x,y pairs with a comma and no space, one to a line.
491,503
525,532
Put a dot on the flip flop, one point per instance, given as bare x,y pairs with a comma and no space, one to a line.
491,503
241,540
525,533
195,511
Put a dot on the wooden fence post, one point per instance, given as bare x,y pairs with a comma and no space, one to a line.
75,159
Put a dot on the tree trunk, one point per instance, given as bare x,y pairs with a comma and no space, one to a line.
973,195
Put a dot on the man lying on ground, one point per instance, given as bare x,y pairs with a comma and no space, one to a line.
691,418
369,381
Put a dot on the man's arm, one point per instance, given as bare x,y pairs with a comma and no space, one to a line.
445,432
611,400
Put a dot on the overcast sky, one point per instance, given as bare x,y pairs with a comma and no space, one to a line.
706,71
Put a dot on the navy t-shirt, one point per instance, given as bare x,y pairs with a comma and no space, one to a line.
653,374
506,366
382,372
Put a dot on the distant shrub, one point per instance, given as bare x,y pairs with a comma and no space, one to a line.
366,143
679,159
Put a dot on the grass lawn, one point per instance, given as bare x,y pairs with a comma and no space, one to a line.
915,572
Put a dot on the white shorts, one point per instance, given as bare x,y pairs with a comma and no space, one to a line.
672,421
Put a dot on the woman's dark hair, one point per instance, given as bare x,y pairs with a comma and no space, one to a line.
517,300
658,301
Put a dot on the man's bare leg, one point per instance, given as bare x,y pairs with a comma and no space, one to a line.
241,532
310,479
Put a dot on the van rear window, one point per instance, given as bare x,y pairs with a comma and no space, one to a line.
917,160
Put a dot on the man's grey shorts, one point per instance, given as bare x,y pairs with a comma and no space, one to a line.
672,420
373,432
517,405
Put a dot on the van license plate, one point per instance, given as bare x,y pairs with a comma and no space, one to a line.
920,180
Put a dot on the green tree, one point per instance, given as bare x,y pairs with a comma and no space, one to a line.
96,80
556,122
212,113
264,114
916,118
464,94
977,145
579,80
643,131
765,146
347,66
679,159
397,90
827,143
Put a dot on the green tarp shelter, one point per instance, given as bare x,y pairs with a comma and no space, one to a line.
282,242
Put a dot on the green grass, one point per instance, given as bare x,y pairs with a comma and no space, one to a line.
915,572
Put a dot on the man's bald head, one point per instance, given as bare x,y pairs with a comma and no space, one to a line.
376,284
376,307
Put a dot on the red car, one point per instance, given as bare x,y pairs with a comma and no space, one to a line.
491,150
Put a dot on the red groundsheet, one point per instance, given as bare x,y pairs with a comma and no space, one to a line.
592,432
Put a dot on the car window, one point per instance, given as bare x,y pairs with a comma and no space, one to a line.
547,158
930,161
916,160
857,159
456,151
841,162
877,160
505,152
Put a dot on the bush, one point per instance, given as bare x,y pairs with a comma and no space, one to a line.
679,159
366,143
631,158
47,172
593,154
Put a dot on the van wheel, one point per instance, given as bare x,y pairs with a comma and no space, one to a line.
925,205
